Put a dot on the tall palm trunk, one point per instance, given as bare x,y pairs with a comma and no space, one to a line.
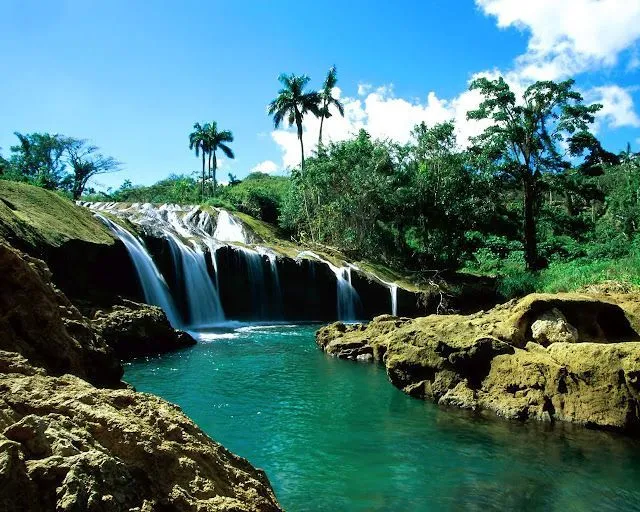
202,184
214,167
321,123
304,182
209,166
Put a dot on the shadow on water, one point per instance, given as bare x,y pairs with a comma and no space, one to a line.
336,435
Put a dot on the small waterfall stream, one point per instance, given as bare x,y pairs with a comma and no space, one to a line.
154,286
393,290
348,297
202,297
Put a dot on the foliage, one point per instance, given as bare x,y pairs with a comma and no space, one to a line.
258,195
55,162
526,136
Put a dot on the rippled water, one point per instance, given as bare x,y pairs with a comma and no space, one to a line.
337,436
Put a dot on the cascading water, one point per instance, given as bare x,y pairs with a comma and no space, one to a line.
255,270
277,309
228,229
348,297
202,297
154,286
393,290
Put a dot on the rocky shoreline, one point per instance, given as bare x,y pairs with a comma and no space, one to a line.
567,357
73,437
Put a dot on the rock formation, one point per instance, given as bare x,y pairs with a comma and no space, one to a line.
133,329
67,446
584,367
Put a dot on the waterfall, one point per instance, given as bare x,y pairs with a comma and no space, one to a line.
276,292
393,290
229,229
154,286
202,297
213,249
348,298
255,274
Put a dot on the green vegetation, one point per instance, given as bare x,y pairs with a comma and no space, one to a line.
32,217
534,199
208,140
55,162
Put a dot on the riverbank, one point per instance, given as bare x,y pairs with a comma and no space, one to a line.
566,357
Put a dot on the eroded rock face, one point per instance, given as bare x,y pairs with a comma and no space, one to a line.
66,445
39,322
588,374
133,329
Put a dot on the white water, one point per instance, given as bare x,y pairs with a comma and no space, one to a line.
154,286
348,298
276,296
393,290
228,229
202,297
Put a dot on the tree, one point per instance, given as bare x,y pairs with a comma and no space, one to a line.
544,131
39,158
217,140
86,162
292,103
198,140
327,100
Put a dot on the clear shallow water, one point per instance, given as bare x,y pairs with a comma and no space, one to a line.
337,436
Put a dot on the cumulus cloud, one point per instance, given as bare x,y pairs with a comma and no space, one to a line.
569,36
268,166
617,106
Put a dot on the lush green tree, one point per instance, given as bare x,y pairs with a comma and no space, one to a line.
217,140
327,100
39,158
86,162
528,136
199,141
293,103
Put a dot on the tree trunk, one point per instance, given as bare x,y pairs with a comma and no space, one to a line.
209,166
530,243
304,183
214,167
202,186
320,135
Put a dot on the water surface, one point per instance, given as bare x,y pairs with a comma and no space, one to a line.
336,435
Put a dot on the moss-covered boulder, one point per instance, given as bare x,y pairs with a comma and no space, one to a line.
489,361
133,329
85,259
67,446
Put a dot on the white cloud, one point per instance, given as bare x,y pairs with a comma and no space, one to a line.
617,106
363,89
569,36
268,166
384,116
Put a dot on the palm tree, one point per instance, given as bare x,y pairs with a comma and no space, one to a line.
293,103
198,140
327,99
217,140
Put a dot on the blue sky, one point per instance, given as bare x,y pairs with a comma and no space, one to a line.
134,76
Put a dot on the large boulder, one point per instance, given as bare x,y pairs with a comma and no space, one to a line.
39,322
560,357
133,329
66,445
